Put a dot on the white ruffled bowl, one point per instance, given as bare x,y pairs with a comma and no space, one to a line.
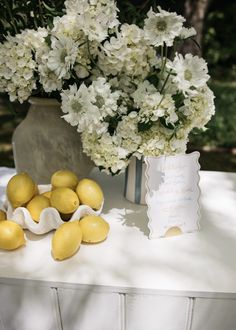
49,218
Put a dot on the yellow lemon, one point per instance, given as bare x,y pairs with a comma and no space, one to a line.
66,240
94,229
11,235
47,194
3,215
64,178
20,189
173,231
65,200
37,205
90,193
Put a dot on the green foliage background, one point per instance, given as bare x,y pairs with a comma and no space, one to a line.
20,14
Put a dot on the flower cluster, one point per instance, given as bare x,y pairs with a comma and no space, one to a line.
123,87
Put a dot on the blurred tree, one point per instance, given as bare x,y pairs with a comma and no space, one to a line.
195,13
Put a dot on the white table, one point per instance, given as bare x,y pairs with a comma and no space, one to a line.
128,281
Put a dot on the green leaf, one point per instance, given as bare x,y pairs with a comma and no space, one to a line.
165,124
144,126
154,80
179,100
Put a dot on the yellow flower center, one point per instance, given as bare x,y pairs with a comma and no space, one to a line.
161,25
188,75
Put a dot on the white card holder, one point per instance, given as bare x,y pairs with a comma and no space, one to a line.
173,194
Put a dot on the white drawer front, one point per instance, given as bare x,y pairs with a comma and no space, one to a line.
86,310
144,312
27,308
214,314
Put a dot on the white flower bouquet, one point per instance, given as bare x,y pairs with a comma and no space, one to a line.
125,88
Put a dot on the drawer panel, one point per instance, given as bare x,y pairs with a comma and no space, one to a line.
27,308
84,310
214,314
149,312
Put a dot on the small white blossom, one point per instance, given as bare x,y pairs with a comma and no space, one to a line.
127,53
95,17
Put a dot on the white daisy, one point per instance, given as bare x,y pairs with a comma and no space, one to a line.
62,56
191,72
162,27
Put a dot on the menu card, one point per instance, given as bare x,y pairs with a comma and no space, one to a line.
173,194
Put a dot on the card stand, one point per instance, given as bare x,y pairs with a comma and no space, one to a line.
173,194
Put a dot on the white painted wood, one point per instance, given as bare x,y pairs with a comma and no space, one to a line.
214,314
85,310
199,262
144,312
27,308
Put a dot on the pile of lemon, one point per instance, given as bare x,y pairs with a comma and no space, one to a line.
66,194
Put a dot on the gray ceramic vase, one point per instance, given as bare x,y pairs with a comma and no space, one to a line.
44,143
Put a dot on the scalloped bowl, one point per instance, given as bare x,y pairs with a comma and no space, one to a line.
50,218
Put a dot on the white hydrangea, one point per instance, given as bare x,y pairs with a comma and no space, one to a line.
154,105
199,108
95,17
191,72
161,141
127,132
127,53
33,39
112,151
17,69
162,27
105,151
67,26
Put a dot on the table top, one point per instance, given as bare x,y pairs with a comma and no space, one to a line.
197,262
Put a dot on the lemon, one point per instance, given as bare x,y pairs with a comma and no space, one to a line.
47,194
173,231
64,178
3,215
94,229
36,206
90,193
11,235
20,189
65,200
66,240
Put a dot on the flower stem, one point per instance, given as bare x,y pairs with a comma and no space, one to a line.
164,60
91,58
165,82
